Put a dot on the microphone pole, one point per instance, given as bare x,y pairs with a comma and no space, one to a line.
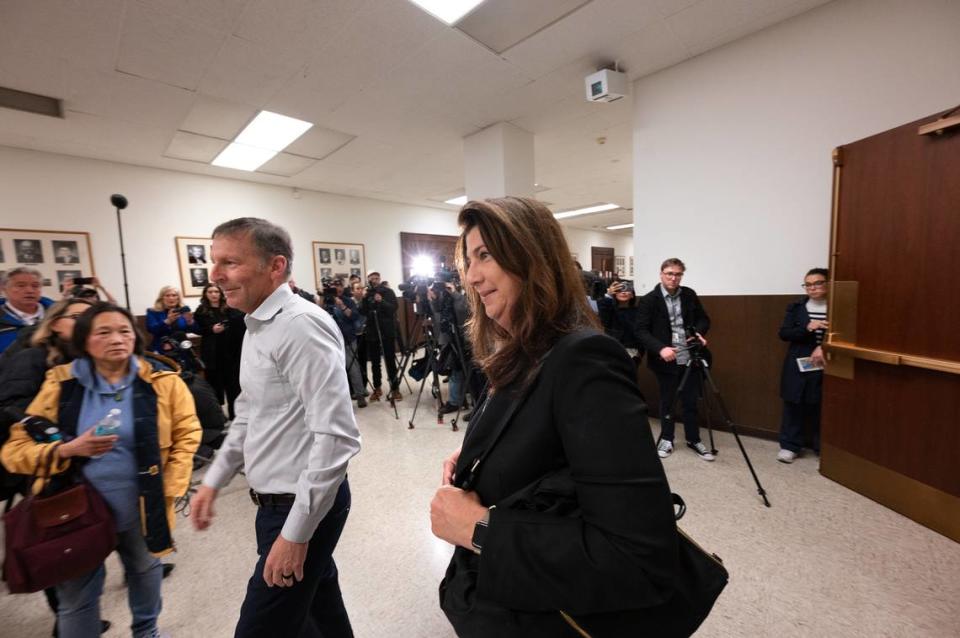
120,202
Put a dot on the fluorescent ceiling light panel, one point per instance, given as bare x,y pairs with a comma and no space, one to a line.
620,227
447,10
585,211
457,201
242,157
272,131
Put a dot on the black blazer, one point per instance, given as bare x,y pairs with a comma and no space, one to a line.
653,325
796,386
220,351
584,412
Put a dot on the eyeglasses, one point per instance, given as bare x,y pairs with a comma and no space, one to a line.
814,284
672,275
72,315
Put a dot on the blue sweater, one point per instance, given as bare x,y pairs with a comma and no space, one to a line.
115,473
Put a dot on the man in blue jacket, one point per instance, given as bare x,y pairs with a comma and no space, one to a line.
23,303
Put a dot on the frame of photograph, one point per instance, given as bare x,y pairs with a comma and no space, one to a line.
57,254
336,259
193,258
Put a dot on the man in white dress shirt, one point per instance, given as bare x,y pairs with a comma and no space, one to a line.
294,433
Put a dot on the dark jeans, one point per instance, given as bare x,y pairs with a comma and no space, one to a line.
688,399
390,354
311,608
791,428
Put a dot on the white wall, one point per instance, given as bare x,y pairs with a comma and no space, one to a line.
732,149
45,191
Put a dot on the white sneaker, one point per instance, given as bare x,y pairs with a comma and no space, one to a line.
786,456
701,450
664,448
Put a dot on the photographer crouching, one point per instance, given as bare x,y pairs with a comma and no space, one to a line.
351,322
379,306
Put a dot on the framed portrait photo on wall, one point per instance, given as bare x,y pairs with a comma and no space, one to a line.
193,257
336,260
59,255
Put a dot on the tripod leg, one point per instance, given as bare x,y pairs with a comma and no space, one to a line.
416,405
733,428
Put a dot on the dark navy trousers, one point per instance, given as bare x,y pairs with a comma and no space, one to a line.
313,607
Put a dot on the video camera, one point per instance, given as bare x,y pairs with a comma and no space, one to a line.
327,290
415,288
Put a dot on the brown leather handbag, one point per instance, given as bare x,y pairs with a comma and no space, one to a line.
51,538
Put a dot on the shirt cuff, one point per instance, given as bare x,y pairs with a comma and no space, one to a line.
217,477
299,527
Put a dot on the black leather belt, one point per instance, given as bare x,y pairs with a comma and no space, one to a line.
271,500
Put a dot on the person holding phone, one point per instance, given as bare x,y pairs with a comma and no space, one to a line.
167,316
222,329
618,314
139,470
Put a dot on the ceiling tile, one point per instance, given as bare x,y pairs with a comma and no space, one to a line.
165,47
245,71
296,25
286,165
318,142
195,148
217,118
84,33
218,15
592,31
500,24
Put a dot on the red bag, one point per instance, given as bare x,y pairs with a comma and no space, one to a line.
53,538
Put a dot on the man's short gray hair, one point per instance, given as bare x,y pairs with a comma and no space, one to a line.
269,239
20,270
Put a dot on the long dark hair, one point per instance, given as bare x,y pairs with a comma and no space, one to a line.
84,326
205,303
526,241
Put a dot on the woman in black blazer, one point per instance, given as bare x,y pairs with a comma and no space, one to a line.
804,328
556,503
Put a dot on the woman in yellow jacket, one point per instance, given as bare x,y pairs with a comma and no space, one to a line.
139,469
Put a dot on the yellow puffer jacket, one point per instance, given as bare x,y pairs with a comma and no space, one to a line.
178,431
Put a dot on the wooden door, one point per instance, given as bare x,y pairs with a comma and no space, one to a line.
891,407
601,259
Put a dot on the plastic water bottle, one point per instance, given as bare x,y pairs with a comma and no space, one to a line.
108,425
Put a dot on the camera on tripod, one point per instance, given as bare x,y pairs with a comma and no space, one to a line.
694,345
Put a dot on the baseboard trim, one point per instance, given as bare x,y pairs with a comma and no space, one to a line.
918,501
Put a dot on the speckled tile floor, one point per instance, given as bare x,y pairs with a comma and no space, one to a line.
823,561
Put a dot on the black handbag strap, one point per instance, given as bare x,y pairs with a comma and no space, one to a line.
468,476
49,452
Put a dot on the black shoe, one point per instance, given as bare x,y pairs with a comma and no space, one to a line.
447,408
466,416
361,401
167,568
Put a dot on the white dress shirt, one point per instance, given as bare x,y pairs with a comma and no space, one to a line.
294,430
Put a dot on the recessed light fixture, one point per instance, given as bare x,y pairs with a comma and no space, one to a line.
457,201
447,10
265,136
620,227
242,157
599,208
